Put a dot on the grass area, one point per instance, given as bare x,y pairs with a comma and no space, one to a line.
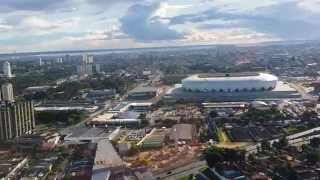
184,178
222,136
291,130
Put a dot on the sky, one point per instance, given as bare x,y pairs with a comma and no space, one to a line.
50,25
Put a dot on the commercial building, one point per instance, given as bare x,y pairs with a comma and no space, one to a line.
140,107
106,158
16,119
101,94
87,134
7,70
155,139
182,132
127,119
7,92
231,87
37,89
143,93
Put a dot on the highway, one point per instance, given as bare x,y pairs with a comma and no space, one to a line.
302,91
186,170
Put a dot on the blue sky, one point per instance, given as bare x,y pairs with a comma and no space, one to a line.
42,25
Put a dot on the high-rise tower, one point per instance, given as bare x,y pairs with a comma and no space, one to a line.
7,70
7,92
16,119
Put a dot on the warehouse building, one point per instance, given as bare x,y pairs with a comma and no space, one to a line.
143,93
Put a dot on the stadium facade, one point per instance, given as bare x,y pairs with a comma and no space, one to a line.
235,82
231,87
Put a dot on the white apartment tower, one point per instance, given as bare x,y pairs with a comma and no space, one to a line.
7,70
7,92
85,68
87,59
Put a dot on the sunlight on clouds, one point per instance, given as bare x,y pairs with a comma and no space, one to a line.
83,24
312,5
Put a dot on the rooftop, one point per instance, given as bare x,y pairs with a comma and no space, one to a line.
232,77
141,89
181,131
242,74
106,156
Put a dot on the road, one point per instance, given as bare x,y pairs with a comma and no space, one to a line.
177,173
68,130
302,91
107,106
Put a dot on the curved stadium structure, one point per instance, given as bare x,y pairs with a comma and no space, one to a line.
233,82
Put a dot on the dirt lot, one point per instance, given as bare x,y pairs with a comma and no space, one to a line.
168,157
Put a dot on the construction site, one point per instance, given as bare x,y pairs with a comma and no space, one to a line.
164,159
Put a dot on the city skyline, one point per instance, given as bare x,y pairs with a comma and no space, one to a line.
82,24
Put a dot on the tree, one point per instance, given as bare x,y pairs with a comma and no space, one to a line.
265,145
213,114
251,158
204,136
313,157
281,144
213,156
315,142
144,121
308,115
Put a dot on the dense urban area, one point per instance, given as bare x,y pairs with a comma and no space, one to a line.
180,113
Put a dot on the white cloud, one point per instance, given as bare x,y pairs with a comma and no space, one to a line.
311,5
5,28
34,22
75,24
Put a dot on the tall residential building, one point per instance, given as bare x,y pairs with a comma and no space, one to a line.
7,70
7,92
16,119
87,59
40,62
97,68
84,69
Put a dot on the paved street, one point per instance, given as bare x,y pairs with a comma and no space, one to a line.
302,91
174,174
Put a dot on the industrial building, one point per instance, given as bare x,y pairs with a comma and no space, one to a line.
182,132
127,119
155,139
143,93
101,94
16,119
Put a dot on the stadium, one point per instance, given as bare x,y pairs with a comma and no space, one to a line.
234,82
230,87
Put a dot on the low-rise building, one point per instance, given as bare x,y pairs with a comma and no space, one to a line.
143,93
182,132
101,94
